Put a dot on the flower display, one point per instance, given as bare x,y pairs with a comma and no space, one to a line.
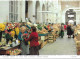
2,27
17,30
12,33
25,36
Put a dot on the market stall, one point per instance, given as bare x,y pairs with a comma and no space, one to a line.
9,50
77,38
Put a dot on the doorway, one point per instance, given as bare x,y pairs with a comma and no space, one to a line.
70,15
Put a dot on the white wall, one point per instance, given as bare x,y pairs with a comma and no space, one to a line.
23,11
31,10
4,11
19,11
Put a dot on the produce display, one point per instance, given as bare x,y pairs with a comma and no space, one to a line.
3,42
43,31
13,29
14,52
77,38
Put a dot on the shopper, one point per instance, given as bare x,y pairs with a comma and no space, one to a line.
65,27
24,45
51,26
62,31
34,44
69,31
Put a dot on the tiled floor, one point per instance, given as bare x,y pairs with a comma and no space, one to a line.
63,46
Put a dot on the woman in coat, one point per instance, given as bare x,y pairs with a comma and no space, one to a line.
33,38
69,31
24,45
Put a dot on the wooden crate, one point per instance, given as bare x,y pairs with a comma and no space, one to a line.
46,37
78,48
42,37
40,41
45,42
78,37
42,45
54,38
75,39
78,52
77,42
50,41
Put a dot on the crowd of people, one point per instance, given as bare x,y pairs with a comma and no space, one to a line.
69,28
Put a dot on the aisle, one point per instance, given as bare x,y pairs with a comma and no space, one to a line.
63,46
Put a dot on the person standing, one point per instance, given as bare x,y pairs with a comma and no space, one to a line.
34,44
65,27
69,31
62,31
23,45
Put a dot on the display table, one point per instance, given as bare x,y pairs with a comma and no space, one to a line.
5,51
43,34
43,39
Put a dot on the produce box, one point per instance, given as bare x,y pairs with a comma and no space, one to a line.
40,41
78,48
77,42
45,42
14,52
78,37
75,39
42,45
54,37
46,37
77,45
41,32
42,37
78,52
50,41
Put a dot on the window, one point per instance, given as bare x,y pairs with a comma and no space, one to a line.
13,11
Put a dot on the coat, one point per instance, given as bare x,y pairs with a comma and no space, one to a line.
69,30
33,38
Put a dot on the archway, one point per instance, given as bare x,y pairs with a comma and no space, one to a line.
70,15
43,14
37,13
